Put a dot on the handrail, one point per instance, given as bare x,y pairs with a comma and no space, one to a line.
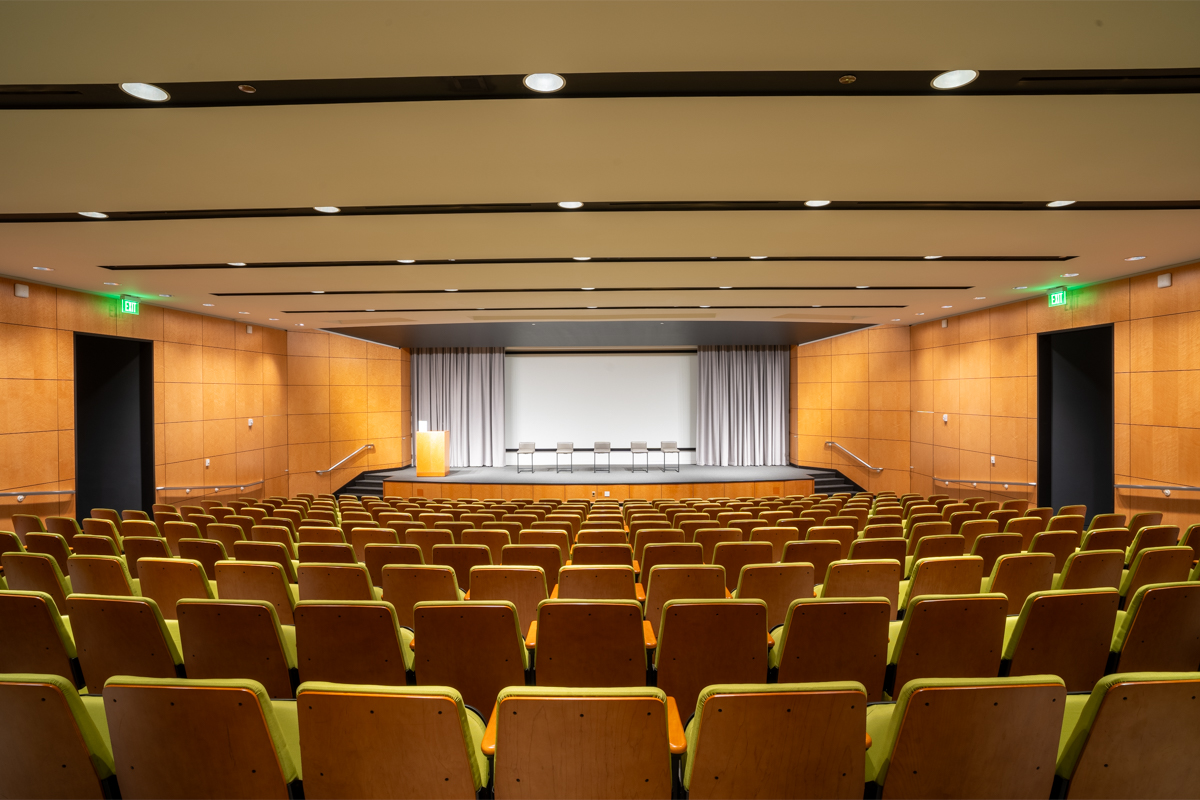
1166,490
22,495
344,460
188,489
1005,484
856,458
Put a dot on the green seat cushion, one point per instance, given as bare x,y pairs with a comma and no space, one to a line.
294,591
1010,627
410,658
288,634
286,713
172,626
904,587
893,637
879,721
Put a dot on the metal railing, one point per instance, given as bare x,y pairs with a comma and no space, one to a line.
188,489
344,460
856,458
22,495
1166,490
1005,484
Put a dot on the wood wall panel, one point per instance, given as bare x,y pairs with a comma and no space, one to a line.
620,491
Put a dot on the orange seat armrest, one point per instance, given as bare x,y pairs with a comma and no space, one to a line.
868,747
770,640
675,732
648,633
554,592
488,745
467,596
637,568
531,637
639,593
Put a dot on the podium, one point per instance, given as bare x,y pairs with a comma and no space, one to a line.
432,447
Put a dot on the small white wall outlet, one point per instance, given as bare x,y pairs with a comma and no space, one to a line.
945,417
945,323
20,290
207,462
250,422
606,494
993,461
1164,281
249,329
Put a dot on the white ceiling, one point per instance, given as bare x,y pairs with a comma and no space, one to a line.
866,148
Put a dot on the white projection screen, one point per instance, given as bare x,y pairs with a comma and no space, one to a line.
608,397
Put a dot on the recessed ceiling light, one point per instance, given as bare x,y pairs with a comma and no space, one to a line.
570,204
1060,203
272,319
757,258
817,203
588,288
1135,258
243,312
544,82
318,291
714,258
110,283
207,305
954,79
452,290
145,91
816,306
895,320
406,261
44,269
92,214
591,306
327,209
947,306
981,298
1019,288
581,258
368,309
299,324
236,263
449,259
920,313
706,306
932,258
724,287
1069,275
862,287
164,295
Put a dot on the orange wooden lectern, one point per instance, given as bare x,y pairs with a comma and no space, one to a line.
431,453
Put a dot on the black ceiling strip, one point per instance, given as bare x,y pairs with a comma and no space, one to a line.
813,83
593,207
561,308
597,289
423,262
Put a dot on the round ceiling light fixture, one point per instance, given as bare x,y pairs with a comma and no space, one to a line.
207,305
92,214
1136,258
954,79
1069,275
724,287
243,312
920,313
1019,288
981,298
932,258
1060,203
544,82
706,306
110,283
236,263
327,209
406,261
452,290
570,204
817,203
862,287
947,306
581,258
44,269
588,288
757,258
272,319
145,91
164,295
318,291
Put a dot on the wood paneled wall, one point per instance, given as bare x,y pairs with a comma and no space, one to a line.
981,372
344,393
854,390
620,491
314,398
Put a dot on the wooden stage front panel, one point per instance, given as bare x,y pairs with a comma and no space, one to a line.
619,491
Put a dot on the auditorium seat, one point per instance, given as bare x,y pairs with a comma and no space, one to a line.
947,636
602,554
123,636
1042,513
1156,565
327,553
967,737
102,575
828,639
476,646
1135,735
1027,527
174,531
462,558
167,580
891,547
1090,569
65,527
51,544
36,637
810,734
1058,543
818,553
590,643
937,545
378,556
389,741
352,641
165,734
408,584
1062,632
559,538
1066,522
1144,519
1158,631
237,639
55,743
735,555
777,585
1149,536
336,582
883,527
426,538
27,523
139,547
949,575
258,580
36,572
207,551
1108,539
1106,521
1191,538
703,642
1019,575
972,529
862,578
607,582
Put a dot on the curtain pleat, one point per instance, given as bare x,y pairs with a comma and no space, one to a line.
461,390
743,406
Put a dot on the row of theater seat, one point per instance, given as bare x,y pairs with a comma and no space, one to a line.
1133,735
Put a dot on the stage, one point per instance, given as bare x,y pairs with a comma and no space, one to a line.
619,484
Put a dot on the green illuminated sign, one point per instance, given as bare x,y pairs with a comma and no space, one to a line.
129,305
1058,298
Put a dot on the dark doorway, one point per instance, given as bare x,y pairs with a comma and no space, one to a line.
114,424
1075,419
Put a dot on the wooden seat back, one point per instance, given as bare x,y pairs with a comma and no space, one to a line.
121,636
949,575
735,555
36,572
257,580
349,641
475,646
1064,633
705,642
951,636
669,582
655,536
777,585
168,580
559,538
426,538
1157,565
684,553
893,548
590,643
51,544
990,546
609,582
35,639
234,639
323,553
334,582
864,578
831,639
88,545
602,554
207,551
378,556
709,538
462,558
1027,527
100,575
406,585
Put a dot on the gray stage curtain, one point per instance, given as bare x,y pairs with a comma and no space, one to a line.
461,390
743,406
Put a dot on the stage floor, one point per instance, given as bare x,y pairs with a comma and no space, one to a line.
620,475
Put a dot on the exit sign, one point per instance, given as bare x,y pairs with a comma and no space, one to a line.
1058,298
129,305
